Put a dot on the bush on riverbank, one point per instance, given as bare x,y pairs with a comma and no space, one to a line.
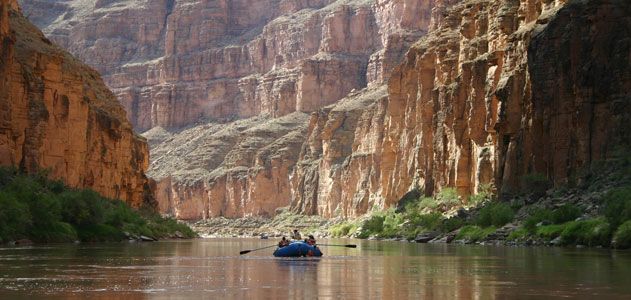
495,214
43,210
592,210
622,237
593,232
617,206
425,215
472,233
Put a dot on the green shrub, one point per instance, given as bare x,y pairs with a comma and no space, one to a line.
371,226
410,232
55,232
594,232
343,229
6,175
495,214
535,217
448,198
550,232
451,224
563,214
430,221
428,202
474,233
120,214
82,207
138,229
617,206
100,233
518,234
46,211
566,213
170,226
485,193
392,224
622,237
15,217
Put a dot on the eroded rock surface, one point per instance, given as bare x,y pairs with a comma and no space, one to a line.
496,90
179,64
172,63
233,170
57,114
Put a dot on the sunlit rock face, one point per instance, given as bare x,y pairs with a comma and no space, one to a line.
178,64
495,91
333,117
172,63
57,114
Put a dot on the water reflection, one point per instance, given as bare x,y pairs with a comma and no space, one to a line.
213,269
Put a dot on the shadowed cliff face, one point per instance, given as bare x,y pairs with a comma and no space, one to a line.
580,70
56,113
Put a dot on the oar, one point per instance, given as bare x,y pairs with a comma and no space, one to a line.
248,251
329,245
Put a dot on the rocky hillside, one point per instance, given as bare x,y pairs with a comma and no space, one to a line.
57,114
489,92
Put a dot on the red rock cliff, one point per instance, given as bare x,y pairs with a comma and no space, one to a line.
497,90
182,63
494,91
173,63
56,113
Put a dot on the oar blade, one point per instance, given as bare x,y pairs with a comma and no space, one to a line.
248,251
347,246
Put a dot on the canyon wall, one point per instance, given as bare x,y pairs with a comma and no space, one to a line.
497,90
176,63
338,107
57,114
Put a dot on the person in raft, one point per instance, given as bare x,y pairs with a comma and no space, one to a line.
296,235
284,242
311,240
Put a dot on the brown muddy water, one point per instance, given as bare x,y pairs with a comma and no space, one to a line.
212,269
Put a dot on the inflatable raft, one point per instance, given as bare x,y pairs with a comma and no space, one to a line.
298,249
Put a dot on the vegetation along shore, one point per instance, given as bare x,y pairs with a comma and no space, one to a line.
36,209
594,211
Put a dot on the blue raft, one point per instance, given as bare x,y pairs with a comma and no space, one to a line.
298,249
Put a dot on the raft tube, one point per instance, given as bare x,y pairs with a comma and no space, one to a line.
298,249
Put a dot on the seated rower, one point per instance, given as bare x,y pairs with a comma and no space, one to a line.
283,242
296,235
311,240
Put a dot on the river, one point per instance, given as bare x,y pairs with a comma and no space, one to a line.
213,269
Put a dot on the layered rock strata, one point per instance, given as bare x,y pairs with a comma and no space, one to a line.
57,114
496,91
178,64
233,170
173,63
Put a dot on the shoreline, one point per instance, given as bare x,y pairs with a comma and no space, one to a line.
264,233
